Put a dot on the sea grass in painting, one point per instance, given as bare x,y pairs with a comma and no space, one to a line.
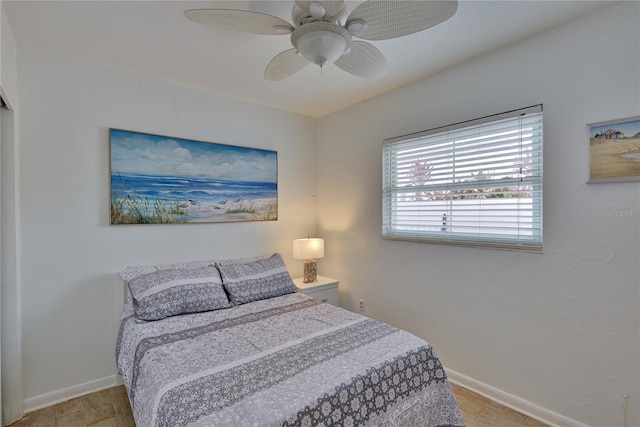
162,180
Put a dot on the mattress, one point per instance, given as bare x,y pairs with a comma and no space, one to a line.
284,361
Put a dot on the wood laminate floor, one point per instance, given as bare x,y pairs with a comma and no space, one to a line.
478,411
110,408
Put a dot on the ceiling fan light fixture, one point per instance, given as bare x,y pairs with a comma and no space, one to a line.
321,42
322,47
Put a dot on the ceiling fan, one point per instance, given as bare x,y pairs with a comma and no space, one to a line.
324,31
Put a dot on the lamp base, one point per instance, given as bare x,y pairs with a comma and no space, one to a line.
310,270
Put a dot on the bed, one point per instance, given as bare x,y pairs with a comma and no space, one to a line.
230,343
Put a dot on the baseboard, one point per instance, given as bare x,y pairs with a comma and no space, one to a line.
509,400
502,397
10,415
52,398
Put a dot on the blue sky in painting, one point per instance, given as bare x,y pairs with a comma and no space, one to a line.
145,154
628,128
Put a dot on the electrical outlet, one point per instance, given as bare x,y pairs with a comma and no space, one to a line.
361,306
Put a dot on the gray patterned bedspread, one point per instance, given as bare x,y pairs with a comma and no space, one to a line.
290,360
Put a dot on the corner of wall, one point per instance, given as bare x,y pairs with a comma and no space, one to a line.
11,349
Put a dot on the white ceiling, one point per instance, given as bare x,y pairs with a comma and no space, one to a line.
153,38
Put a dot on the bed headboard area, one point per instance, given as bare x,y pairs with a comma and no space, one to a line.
122,294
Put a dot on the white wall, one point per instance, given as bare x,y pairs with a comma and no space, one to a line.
559,330
70,253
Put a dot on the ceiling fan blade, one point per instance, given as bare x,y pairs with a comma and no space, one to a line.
240,20
284,64
332,7
364,60
387,19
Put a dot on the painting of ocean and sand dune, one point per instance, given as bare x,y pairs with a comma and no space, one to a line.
162,180
615,150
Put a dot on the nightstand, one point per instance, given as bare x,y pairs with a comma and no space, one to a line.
325,289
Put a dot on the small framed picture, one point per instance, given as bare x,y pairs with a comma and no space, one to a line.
614,150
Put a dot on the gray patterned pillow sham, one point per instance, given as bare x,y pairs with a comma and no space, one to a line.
255,278
165,293
132,272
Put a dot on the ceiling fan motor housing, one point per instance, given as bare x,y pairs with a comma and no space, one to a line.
321,42
335,13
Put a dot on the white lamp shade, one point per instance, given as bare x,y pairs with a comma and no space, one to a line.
308,248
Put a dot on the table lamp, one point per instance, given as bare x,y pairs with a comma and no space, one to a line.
308,249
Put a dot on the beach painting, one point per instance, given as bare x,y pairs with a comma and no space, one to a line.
162,180
614,151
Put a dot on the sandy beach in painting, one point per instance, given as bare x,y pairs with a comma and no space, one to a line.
233,210
615,158
141,199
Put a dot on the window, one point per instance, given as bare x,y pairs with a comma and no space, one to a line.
477,183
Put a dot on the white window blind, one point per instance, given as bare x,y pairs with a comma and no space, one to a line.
477,183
